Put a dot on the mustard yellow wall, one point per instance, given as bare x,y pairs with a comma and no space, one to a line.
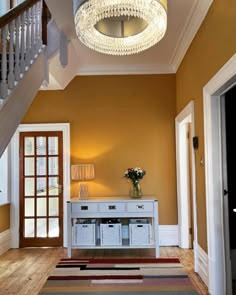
213,46
4,217
119,122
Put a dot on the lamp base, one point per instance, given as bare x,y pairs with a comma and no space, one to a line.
83,191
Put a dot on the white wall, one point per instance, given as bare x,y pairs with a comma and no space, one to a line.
4,6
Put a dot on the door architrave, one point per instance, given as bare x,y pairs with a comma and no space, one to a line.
223,80
185,116
15,194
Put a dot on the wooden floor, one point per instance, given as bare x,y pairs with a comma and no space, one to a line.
24,271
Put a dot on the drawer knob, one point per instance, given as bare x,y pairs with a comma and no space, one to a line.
84,207
112,207
140,206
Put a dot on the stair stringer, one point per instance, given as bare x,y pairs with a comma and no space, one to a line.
17,103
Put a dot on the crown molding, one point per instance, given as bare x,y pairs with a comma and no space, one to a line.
124,69
196,16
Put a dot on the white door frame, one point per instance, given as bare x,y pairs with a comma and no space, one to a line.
212,92
15,177
185,116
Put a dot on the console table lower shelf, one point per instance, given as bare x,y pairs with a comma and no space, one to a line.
114,223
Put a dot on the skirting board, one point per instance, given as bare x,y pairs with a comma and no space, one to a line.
202,265
5,241
168,235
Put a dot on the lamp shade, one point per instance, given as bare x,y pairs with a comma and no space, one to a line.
82,172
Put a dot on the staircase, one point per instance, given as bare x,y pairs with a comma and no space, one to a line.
27,64
23,64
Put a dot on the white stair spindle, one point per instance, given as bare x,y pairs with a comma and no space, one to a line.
17,50
32,53
3,83
40,7
11,77
27,51
22,44
36,49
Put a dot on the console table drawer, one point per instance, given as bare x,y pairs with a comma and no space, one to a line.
86,207
140,207
112,207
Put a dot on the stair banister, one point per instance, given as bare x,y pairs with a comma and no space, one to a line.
20,43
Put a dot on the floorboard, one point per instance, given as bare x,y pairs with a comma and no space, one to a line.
24,271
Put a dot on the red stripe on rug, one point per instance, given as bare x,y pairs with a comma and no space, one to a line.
124,260
109,277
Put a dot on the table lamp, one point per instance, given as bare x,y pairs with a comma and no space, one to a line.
82,173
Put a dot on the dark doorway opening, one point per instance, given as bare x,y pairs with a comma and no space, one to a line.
230,114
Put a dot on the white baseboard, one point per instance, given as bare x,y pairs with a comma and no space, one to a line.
202,265
168,235
5,241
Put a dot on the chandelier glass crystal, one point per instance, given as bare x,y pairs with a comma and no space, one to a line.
120,27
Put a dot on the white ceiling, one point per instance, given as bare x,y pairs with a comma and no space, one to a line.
184,20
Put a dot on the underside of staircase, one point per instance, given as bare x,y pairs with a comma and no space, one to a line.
17,102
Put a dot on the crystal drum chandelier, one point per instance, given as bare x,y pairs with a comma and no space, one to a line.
120,27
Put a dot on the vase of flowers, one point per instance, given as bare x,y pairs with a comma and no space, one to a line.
134,175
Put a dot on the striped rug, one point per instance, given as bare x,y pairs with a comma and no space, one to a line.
157,276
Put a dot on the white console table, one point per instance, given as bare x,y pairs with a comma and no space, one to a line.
122,208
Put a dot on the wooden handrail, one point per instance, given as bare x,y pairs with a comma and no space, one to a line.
16,11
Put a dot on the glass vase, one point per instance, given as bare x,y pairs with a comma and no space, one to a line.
135,190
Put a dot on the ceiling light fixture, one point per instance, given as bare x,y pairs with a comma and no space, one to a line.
120,27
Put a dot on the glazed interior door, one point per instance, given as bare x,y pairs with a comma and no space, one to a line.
41,199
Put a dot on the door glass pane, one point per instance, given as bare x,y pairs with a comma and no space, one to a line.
53,165
53,145
41,145
29,146
41,166
53,186
29,187
29,207
41,227
41,186
29,166
53,227
53,206
29,228
41,207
